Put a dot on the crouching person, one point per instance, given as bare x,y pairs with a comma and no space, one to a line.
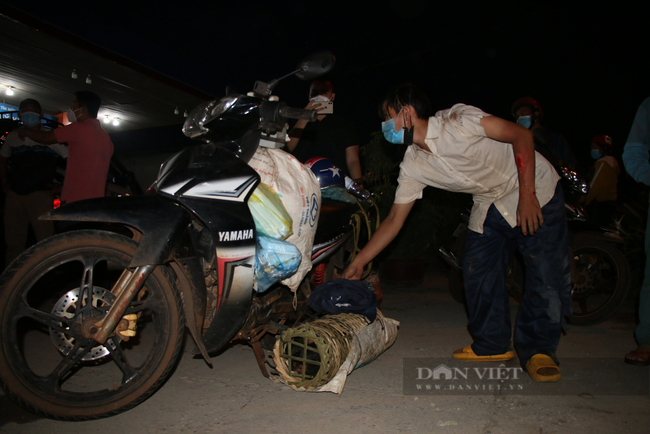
518,203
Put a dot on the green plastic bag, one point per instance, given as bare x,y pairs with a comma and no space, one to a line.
270,215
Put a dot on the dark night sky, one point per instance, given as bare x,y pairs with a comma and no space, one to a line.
585,64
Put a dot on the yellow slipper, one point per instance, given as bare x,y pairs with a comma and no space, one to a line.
467,354
543,369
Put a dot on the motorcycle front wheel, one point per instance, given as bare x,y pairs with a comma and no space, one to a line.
48,296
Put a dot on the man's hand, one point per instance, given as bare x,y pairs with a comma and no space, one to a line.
529,214
316,105
353,272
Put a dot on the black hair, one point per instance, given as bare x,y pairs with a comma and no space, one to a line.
406,94
30,101
323,85
90,100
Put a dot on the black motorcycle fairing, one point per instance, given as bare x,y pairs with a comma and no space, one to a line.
240,116
207,164
162,222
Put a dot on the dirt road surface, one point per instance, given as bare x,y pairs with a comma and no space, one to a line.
598,394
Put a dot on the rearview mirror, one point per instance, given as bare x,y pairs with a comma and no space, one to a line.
315,65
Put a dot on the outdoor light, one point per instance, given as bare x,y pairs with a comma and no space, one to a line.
9,91
74,74
185,114
89,80
116,122
107,119
176,111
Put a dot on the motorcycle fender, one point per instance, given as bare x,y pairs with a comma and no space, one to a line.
192,286
162,222
235,290
597,236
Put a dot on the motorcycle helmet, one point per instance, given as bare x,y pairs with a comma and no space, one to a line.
603,140
530,102
326,172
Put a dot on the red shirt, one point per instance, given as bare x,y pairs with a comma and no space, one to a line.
89,155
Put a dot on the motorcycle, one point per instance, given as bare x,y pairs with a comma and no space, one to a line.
93,320
600,272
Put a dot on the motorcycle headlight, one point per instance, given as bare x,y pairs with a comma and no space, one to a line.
204,113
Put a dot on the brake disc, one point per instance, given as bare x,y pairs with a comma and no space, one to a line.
66,307
585,280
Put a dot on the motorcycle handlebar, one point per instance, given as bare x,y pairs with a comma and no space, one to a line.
298,113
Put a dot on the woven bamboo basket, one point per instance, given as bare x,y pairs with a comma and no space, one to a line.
310,355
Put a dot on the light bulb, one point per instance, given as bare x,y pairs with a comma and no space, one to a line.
116,122
185,114
107,119
176,111
89,80
9,91
74,74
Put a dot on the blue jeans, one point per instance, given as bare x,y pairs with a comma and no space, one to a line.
547,295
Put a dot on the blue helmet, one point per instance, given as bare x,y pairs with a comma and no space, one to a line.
326,172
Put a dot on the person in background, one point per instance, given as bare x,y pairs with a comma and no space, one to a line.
529,114
331,136
27,171
89,147
518,203
635,159
603,181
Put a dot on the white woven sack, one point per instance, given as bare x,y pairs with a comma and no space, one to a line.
299,191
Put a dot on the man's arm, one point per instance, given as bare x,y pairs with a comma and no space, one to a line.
44,137
3,174
529,213
296,132
386,233
352,161
637,146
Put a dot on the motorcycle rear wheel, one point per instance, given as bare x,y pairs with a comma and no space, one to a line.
47,365
601,280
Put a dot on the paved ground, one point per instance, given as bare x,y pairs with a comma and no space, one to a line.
234,397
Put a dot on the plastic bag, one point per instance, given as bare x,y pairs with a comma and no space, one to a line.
270,216
336,192
274,260
299,191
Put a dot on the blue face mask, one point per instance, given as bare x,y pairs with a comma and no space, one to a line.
525,121
30,119
394,137
595,154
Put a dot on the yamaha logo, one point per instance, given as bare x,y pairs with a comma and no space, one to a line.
246,234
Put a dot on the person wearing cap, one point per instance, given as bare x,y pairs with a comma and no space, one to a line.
89,145
635,159
518,204
529,113
603,181
27,173
331,136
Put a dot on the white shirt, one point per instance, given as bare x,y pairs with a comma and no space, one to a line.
463,159
13,141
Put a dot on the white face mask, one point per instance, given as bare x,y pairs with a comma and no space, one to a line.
319,98
72,116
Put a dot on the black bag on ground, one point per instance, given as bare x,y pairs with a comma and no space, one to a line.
344,296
